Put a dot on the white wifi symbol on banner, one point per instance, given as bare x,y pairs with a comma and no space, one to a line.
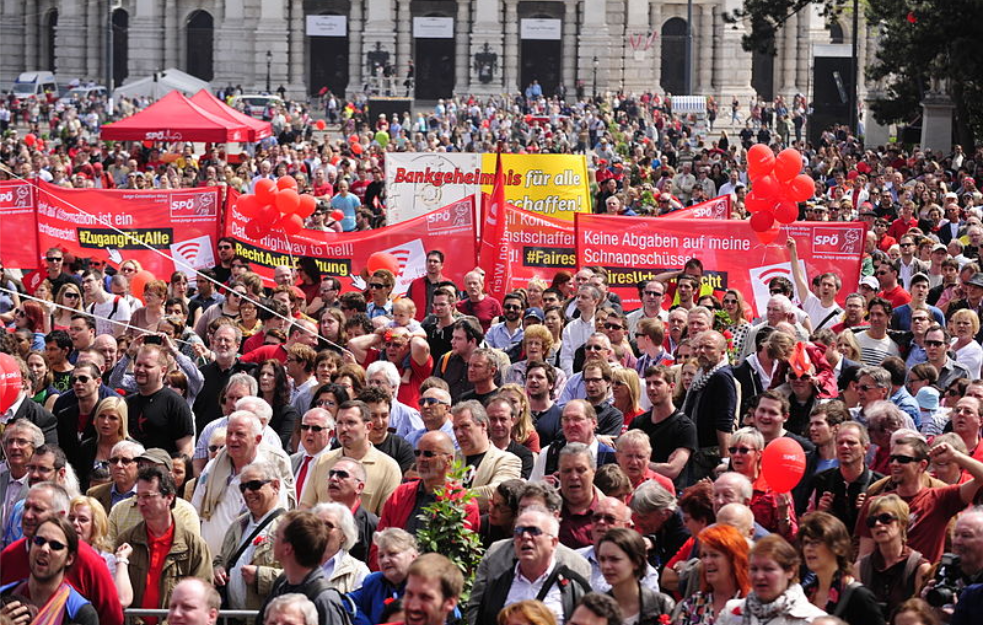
403,256
189,251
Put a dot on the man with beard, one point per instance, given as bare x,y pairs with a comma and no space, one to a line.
508,332
159,417
711,403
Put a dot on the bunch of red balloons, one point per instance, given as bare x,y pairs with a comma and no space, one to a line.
777,186
275,205
10,381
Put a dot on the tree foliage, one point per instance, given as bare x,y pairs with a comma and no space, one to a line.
921,43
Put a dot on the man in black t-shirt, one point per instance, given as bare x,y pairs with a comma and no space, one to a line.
159,417
671,432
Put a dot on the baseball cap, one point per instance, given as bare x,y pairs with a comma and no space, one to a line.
157,456
939,247
536,312
928,399
870,281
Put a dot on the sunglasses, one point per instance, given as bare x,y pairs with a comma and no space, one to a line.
376,285
730,301
84,379
654,293
613,326
71,295
594,348
776,291
740,450
317,429
225,247
511,307
340,474
52,259
41,541
953,392
430,401
805,376
902,459
426,453
124,461
532,530
883,518
216,448
934,343
610,519
253,485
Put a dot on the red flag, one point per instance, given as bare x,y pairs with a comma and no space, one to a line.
494,256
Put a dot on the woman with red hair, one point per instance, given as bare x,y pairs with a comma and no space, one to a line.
30,316
723,575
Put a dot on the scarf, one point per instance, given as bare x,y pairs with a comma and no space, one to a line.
765,612
53,612
700,380
216,483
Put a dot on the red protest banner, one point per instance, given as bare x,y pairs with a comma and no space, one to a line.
450,229
118,224
636,248
18,236
717,208
493,255
538,246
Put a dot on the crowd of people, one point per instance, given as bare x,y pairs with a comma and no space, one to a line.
228,443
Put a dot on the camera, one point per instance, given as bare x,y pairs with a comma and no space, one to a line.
153,339
946,577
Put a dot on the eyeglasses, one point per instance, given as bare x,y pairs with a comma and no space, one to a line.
217,448
883,518
532,530
321,403
54,545
610,519
225,247
953,392
511,307
881,273
376,285
740,450
654,293
902,459
594,348
338,473
235,294
84,379
776,291
730,301
613,326
593,380
933,343
253,485
146,496
430,401
71,295
124,461
865,388
53,259
426,453
639,335
317,429
805,376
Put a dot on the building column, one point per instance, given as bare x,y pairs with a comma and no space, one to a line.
234,45
569,74
733,68
268,35
172,42
297,79
594,41
655,20
96,17
404,36
145,27
462,33
70,49
705,51
14,26
511,84
803,56
787,85
355,25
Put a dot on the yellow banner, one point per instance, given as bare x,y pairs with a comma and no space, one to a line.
554,185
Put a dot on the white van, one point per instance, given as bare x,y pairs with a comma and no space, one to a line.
34,84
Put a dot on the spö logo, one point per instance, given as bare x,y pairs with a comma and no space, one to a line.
187,205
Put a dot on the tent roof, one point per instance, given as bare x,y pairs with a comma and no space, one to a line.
175,118
207,101
170,79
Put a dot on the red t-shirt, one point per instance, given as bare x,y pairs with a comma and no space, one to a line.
931,510
485,310
409,389
266,352
159,547
897,296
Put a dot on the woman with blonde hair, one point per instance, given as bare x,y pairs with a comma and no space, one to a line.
534,292
528,612
524,431
111,422
846,344
964,325
737,312
537,344
91,524
69,302
685,371
627,394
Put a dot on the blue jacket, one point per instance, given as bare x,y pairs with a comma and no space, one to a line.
970,603
371,598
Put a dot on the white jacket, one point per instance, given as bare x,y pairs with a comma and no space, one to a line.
801,611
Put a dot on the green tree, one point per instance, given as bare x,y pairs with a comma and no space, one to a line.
921,42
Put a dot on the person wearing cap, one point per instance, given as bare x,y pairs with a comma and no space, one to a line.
933,417
936,273
508,331
901,317
126,515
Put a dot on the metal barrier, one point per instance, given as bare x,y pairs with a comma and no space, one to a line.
225,616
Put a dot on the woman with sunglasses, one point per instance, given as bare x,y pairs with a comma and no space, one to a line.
737,311
954,392
824,543
380,288
69,302
773,511
111,422
30,316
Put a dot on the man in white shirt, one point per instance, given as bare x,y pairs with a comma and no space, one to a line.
651,293
609,514
316,431
111,312
823,310
579,330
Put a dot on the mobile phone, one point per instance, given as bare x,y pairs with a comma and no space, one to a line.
153,339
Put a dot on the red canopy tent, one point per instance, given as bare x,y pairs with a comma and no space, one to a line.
175,118
258,129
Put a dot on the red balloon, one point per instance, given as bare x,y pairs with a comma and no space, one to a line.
783,464
770,234
267,217
148,144
353,139
320,125
139,281
383,260
286,182
265,190
287,201
753,203
30,139
801,188
760,158
767,187
788,164
10,381
786,212
248,205
337,215
357,149
306,206
292,224
255,231
762,221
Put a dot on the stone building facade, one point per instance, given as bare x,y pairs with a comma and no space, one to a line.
456,46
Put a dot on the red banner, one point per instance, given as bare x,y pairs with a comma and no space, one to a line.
119,224
450,229
717,208
18,236
538,246
637,248
494,256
